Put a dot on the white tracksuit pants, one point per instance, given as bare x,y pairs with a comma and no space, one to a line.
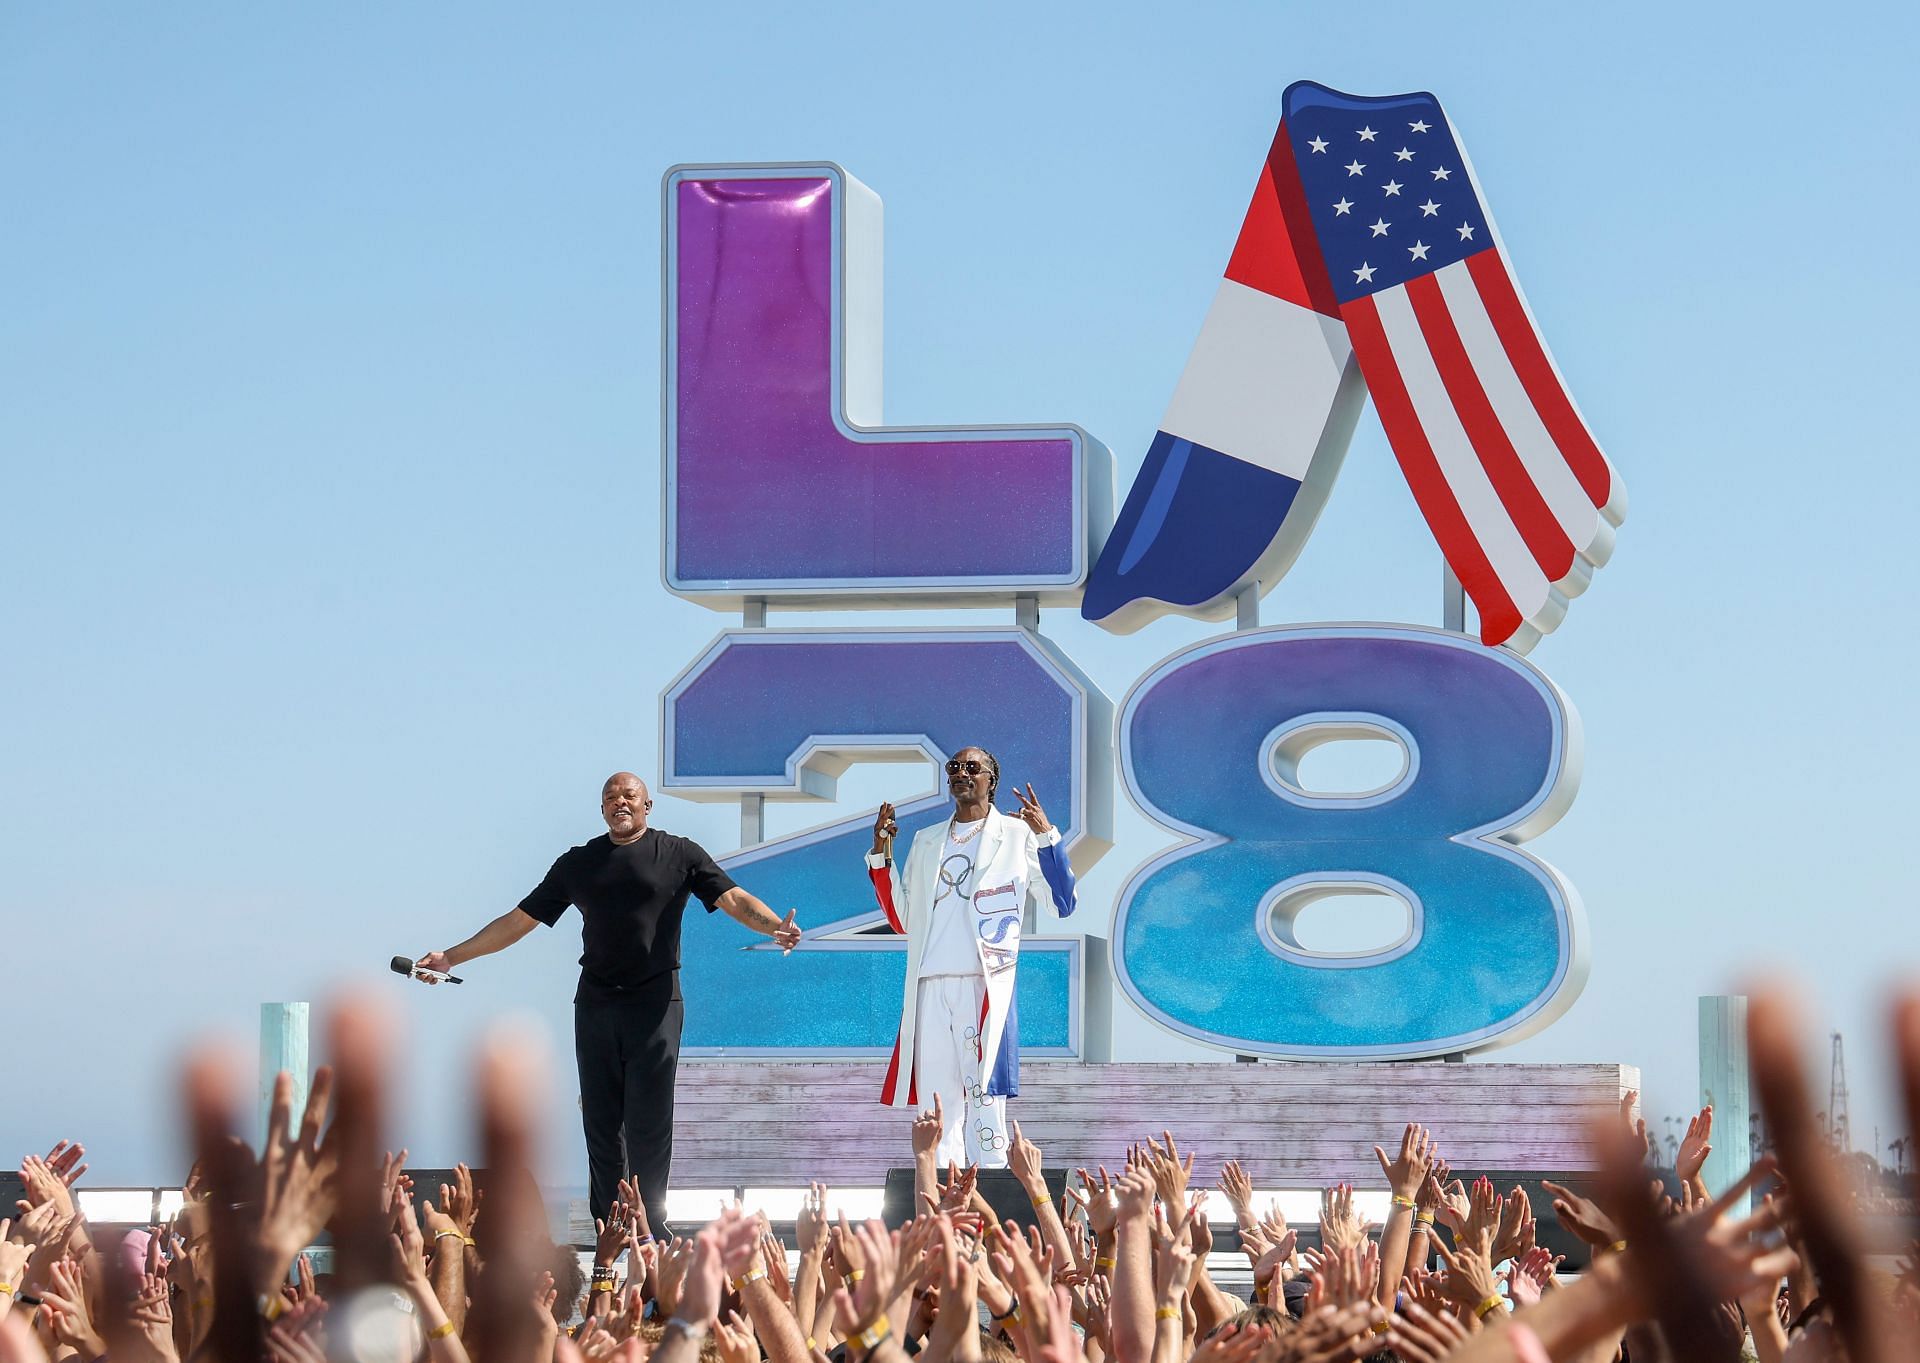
947,1061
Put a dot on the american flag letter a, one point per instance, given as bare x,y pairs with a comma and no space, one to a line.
1368,262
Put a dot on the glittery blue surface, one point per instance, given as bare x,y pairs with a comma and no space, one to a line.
1497,935
760,700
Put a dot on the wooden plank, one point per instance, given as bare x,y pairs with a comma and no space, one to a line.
785,1122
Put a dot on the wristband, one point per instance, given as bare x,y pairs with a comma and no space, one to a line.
1012,1312
1424,1220
1617,1246
854,1275
1488,1307
28,1299
271,1307
1039,1202
440,1235
1380,1327
870,1337
6,1287
1400,1201
440,1331
1167,1313
811,1346
752,1275
694,1332
1106,1263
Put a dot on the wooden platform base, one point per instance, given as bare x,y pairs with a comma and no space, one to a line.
779,1123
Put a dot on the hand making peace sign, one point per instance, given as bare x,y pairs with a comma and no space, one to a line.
1030,811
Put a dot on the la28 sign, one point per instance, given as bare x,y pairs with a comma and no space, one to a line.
783,486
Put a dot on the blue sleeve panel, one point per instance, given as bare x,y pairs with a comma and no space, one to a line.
1059,876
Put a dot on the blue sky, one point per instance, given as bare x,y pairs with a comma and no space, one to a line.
329,435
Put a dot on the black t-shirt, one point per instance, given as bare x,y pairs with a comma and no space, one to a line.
631,898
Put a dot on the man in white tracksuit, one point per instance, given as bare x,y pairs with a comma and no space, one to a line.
960,899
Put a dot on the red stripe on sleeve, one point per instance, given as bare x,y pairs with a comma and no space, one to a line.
1548,543
1537,376
882,878
1499,617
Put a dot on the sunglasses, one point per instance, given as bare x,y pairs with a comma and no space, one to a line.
970,767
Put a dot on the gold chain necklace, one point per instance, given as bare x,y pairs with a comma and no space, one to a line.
954,823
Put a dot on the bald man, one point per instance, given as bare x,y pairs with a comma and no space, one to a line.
631,885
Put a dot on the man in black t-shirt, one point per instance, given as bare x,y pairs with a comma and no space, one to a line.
631,887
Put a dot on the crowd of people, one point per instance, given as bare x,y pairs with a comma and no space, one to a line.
1114,1271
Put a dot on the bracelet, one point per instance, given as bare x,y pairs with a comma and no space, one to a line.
692,1330
6,1287
440,1235
854,1275
752,1275
1488,1307
271,1307
1424,1220
1617,1246
1106,1263
1167,1313
870,1337
1380,1327
1039,1202
28,1299
811,1346
440,1331
1400,1201
1012,1312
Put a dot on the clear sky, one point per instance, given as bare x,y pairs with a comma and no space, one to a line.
329,407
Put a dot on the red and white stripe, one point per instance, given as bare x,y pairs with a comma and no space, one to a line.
1506,472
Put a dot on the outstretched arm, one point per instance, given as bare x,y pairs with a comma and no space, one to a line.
743,908
498,935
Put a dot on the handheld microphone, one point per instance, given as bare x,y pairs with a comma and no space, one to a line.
400,965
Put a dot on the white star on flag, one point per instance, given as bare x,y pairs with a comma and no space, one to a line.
1418,250
1392,187
1363,275
1367,134
1403,155
1466,231
1418,127
1318,144
1354,167
1379,227
1441,173
1429,209
1342,208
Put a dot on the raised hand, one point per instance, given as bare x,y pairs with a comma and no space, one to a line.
1101,1202
298,1190
927,1128
66,1305
1483,1219
1407,1171
1581,1216
1238,1189
1422,1336
885,828
1030,812
810,1226
1635,1128
787,935
1170,1175
1340,1226
461,1201
1023,1158
1695,1146
1515,1234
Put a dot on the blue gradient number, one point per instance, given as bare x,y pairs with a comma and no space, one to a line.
781,713
1495,944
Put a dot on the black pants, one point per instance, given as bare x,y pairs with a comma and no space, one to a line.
628,1045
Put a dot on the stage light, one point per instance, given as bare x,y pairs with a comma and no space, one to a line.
782,1205
117,1206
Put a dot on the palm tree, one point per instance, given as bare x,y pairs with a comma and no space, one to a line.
1898,1147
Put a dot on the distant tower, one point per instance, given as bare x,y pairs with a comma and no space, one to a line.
1838,1126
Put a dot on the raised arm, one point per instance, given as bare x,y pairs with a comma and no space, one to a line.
1049,856
745,909
883,873
497,935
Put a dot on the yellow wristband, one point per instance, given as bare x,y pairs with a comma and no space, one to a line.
1167,1313
1380,1327
1617,1246
1039,1202
871,1336
441,1331
1400,1201
811,1346
273,1307
7,1288
1488,1307
1424,1220
1104,1263
440,1235
752,1275
854,1275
